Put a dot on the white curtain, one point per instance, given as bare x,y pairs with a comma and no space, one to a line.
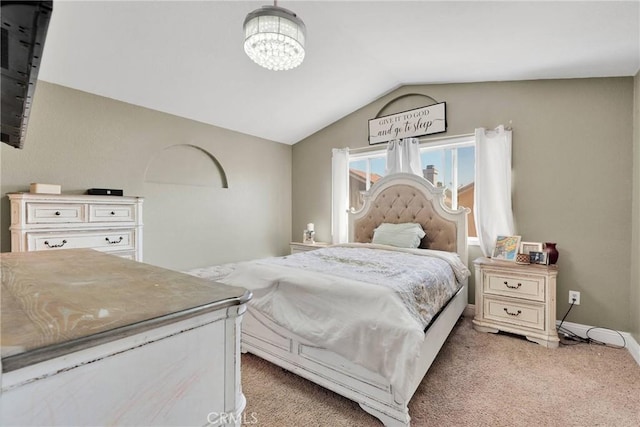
340,195
404,156
394,157
492,208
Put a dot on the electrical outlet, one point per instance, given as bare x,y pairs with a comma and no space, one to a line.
574,295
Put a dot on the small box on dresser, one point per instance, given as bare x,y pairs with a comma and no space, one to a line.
62,221
520,299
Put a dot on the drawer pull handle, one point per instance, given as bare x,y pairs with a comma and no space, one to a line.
512,314
512,287
112,213
49,245
113,242
57,213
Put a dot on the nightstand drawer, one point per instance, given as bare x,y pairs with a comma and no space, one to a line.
303,247
514,312
515,286
49,213
111,213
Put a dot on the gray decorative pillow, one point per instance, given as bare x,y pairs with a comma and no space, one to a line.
406,235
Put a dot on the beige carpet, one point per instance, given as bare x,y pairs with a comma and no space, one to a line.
477,380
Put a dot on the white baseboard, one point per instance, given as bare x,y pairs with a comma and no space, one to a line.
634,348
606,336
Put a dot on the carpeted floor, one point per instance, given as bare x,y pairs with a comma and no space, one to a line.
477,380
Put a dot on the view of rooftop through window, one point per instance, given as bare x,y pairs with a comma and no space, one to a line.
452,167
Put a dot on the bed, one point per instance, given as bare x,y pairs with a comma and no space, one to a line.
381,374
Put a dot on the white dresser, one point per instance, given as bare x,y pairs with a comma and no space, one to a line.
110,224
520,299
90,339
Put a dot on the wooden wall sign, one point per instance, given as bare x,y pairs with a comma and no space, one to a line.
417,122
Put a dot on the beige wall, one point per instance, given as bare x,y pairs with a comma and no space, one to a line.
635,249
80,141
572,164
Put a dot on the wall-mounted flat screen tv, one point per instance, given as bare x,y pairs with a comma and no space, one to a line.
24,28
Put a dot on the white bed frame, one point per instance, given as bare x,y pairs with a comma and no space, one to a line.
374,393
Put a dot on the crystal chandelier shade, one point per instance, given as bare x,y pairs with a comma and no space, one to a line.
274,38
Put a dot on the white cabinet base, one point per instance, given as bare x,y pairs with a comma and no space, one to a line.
185,373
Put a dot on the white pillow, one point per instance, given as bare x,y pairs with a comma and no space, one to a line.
407,235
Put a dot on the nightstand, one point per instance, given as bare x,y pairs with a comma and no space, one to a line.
519,299
303,247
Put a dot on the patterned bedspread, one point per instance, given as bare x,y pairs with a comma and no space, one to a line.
423,283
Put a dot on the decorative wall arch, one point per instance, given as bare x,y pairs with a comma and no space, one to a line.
405,102
185,164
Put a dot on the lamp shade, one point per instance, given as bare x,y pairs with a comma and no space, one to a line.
274,38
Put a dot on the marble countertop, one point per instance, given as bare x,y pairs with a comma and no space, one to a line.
57,302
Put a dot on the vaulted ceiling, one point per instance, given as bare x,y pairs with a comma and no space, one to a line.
186,57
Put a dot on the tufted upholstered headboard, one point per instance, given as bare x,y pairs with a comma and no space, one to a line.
401,198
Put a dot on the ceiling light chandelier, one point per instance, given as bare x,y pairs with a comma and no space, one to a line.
274,38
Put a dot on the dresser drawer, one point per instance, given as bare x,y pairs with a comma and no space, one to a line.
48,213
519,313
521,286
111,213
104,240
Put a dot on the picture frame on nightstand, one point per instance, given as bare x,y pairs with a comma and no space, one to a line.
536,257
528,247
506,248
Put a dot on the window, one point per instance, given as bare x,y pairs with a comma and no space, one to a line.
449,164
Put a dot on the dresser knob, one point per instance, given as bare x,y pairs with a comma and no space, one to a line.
57,213
112,213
